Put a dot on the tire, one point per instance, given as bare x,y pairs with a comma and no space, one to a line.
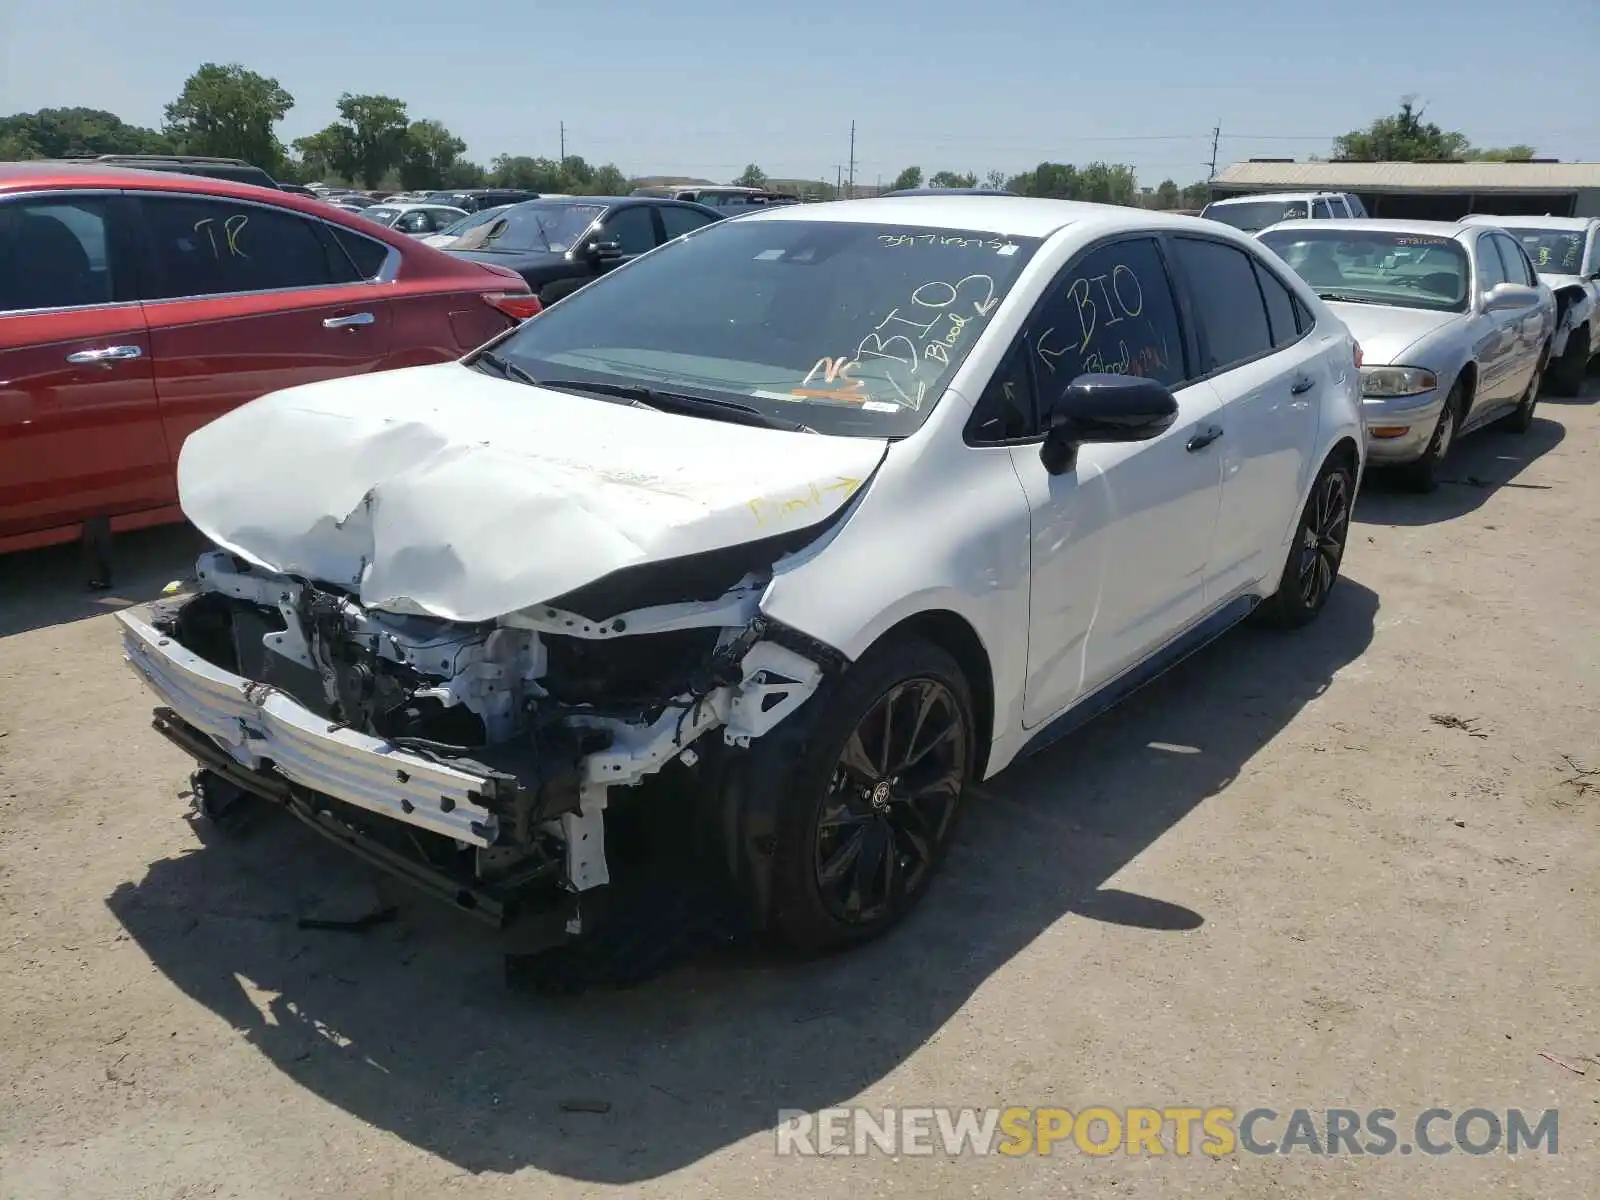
1566,373
824,896
1318,550
1423,475
1520,420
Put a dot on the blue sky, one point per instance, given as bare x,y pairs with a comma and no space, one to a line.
702,88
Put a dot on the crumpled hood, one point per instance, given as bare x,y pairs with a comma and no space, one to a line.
443,490
1386,333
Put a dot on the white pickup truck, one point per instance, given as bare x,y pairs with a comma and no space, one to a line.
1565,251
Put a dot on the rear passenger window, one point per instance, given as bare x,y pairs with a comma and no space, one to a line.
1281,316
54,254
1228,304
1321,210
365,255
1112,311
216,247
1357,209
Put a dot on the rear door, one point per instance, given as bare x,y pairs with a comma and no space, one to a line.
1256,351
244,299
80,432
1534,324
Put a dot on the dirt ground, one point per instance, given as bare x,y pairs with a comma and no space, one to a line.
1355,867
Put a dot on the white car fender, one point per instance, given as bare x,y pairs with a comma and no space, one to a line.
941,527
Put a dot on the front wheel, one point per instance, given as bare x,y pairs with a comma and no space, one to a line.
1423,475
872,801
1318,550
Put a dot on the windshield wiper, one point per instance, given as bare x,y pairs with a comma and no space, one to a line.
681,402
1348,298
507,368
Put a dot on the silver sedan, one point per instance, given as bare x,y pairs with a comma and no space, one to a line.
1453,323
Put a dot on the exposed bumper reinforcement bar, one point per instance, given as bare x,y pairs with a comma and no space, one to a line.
255,725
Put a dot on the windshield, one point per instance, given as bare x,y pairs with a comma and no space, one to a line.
381,213
1553,251
846,327
471,221
1374,266
1256,215
531,226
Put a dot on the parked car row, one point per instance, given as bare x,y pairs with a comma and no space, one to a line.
823,514
135,306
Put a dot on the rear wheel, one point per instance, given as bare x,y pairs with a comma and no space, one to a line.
1318,550
872,801
1423,475
1521,419
1567,372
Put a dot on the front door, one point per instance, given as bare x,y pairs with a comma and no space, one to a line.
80,433
1120,541
246,299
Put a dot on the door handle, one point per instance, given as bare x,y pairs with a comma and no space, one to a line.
350,322
1201,440
105,354
1302,385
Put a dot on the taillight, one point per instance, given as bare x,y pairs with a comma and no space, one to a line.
517,305
1357,345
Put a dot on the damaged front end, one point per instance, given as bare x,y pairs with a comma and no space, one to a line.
475,760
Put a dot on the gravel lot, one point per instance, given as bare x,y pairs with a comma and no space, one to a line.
1285,876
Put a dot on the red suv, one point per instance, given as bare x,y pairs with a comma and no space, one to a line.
135,306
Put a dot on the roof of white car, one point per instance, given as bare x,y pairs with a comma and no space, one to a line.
1530,222
1018,216
1257,197
1377,225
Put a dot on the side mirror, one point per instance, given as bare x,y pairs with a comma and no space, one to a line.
1104,408
1508,297
604,251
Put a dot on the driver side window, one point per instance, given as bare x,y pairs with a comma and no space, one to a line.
1110,312
630,228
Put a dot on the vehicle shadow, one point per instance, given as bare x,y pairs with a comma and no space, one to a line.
1588,394
46,587
1478,466
408,1027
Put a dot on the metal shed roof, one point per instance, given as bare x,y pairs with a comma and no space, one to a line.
1391,176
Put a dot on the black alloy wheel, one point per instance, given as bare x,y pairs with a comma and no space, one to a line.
1324,531
890,802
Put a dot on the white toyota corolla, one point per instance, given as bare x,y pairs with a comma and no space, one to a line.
822,514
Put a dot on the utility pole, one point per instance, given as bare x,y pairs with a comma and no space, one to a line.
1216,136
838,181
852,160
563,142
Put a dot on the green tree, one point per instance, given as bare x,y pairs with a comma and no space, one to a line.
1058,181
16,147
1403,137
911,177
1108,183
464,174
608,181
529,174
59,132
231,112
376,129
1197,195
953,179
427,153
576,175
1167,195
1517,153
330,153
995,180
752,177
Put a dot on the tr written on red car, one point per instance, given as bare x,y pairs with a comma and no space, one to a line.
135,306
